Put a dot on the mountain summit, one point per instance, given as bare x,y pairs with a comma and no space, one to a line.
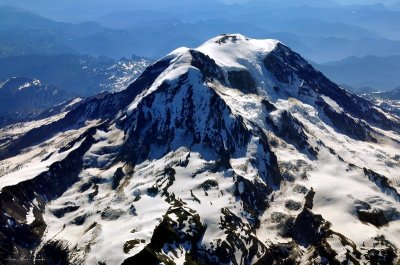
236,152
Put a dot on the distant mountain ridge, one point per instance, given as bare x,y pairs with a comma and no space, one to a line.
80,75
387,100
22,99
381,73
154,33
391,95
33,84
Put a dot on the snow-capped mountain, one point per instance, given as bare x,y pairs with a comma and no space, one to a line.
236,152
25,98
80,75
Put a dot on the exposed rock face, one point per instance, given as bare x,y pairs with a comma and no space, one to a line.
242,80
237,152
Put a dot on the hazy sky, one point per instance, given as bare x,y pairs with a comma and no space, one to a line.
386,2
346,2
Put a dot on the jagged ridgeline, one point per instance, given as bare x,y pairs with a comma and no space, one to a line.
236,152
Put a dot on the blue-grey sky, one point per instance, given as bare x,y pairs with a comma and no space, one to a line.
344,2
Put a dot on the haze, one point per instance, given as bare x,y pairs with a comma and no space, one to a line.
332,34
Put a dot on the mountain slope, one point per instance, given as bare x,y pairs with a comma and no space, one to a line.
238,151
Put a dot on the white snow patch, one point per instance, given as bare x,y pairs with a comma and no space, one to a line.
33,169
30,217
236,49
332,104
